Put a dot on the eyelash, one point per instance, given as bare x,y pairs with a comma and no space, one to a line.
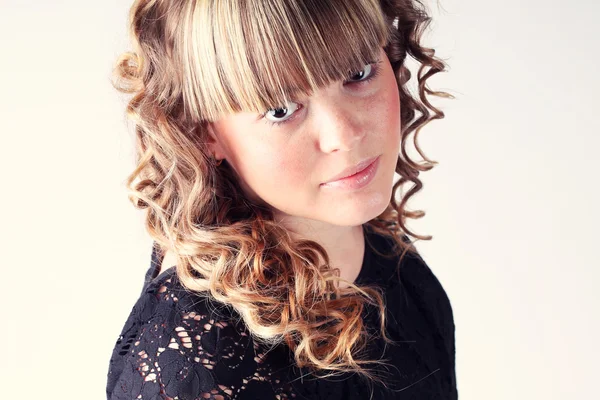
374,74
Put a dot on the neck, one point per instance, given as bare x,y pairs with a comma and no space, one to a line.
344,244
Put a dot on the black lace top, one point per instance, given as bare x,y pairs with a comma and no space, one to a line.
178,345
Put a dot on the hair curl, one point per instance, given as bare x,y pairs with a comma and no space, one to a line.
226,245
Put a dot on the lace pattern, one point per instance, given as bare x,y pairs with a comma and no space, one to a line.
175,348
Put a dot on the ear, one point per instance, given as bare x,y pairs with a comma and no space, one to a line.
214,147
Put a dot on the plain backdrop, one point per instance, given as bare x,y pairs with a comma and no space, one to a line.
512,205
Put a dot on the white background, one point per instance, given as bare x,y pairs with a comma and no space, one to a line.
512,206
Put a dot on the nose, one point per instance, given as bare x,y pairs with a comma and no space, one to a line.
339,125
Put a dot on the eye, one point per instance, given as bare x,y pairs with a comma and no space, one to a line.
358,76
280,115
371,70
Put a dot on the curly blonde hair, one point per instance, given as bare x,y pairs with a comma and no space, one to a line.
195,61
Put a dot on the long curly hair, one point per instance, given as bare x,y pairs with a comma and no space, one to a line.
195,61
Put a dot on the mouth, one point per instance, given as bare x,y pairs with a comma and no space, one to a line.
352,170
358,179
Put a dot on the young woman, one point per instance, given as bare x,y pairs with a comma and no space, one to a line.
268,135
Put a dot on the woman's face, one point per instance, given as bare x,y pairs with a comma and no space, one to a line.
336,127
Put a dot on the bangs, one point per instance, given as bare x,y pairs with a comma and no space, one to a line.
256,55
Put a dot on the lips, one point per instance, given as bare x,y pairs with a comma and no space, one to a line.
352,169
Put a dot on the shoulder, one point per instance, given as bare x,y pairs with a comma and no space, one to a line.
182,345
427,292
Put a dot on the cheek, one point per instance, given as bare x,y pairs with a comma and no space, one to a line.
389,115
273,168
391,104
290,167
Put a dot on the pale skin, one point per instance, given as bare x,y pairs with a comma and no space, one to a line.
284,165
